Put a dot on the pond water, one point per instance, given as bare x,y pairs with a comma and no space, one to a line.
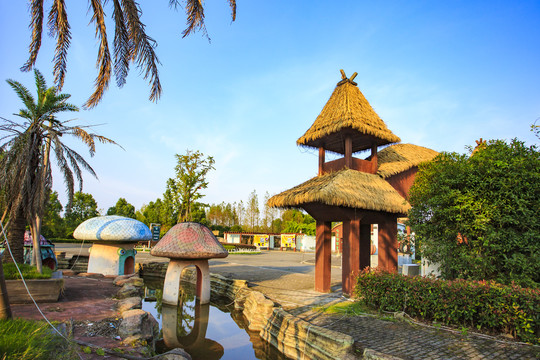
206,332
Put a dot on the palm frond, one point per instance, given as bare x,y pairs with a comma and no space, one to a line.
41,83
85,138
142,48
104,57
36,24
59,28
174,3
23,94
63,165
232,4
122,45
105,140
195,18
74,166
75,156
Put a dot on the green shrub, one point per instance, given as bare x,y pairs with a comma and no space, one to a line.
28,271
23,339
229,246
483,305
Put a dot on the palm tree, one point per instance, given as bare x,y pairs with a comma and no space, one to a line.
25,168
131,44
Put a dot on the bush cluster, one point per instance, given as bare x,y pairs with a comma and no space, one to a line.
229,246
484,305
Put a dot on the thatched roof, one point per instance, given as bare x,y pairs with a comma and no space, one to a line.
398,158
347,111
347,188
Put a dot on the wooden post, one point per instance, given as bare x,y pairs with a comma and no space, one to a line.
351,264
374,160
365,246
348,151
351,255
321,160
388,244
323,256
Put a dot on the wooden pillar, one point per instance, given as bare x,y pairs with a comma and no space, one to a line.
351,255
365,246
348,151
321,160
323,256
388,244
374,160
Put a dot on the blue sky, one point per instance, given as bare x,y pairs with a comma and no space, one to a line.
440,74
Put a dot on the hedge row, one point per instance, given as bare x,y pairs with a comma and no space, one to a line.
477,304
229,246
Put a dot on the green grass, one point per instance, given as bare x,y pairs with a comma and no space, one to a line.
28,271
346,308
23,339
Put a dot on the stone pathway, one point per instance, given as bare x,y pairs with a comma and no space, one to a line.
405,340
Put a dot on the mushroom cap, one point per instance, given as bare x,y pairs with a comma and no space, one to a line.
189,240
112,228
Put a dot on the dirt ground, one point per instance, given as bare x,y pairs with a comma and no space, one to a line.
87,307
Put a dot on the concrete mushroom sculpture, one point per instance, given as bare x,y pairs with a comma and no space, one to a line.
188,244
114,239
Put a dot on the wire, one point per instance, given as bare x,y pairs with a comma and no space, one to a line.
28,291
80,251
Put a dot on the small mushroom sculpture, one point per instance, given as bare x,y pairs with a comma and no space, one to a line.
114,239
188,244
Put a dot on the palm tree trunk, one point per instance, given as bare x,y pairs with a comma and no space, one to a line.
35,230
5,308
15,237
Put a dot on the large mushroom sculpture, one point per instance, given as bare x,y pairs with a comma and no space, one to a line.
114,239
188,244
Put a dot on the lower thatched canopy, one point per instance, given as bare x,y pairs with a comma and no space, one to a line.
398,158
348,188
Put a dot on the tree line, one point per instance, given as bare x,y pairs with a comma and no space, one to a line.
60,222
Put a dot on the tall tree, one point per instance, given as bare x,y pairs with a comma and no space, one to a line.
252,211
185,188
131,43
26,167
240,212
477,216
83,207
269,214
122,208
53,223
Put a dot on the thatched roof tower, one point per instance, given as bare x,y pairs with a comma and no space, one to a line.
359,192
347,112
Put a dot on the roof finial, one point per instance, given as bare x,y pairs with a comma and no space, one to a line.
344,78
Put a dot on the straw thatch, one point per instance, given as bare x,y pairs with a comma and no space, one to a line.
347,112
398,158
347,188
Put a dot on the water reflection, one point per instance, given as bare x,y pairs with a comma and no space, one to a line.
175,331
209,331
